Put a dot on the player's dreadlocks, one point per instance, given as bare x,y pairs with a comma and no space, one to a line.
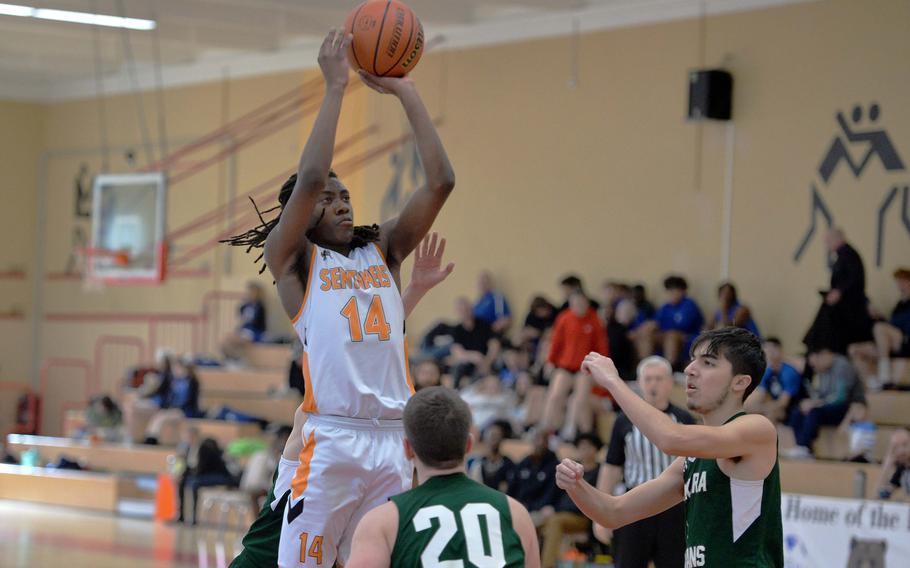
255,237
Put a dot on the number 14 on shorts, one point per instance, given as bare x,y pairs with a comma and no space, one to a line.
314,551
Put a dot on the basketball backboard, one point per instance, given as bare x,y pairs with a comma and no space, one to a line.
128,225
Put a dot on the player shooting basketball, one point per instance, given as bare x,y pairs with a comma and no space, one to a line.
339,285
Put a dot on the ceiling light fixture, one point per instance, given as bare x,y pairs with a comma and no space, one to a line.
77,17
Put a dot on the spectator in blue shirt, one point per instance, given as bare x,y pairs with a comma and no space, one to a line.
676,324
731,313
492,306
779,387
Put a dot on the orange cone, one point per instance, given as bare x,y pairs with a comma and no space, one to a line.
165,498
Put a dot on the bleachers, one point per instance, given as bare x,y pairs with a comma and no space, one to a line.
890,407
125,458
834,444
241,381
223,431
273,409
267,356
85,489
827,478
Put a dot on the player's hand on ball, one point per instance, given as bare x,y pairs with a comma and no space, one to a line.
569,474
601,369
428,270
385,85
333,57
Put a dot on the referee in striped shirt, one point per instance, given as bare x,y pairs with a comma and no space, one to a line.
632,460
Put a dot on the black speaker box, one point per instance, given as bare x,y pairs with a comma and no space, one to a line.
710,94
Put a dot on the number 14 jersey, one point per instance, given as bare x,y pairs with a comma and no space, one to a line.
351,324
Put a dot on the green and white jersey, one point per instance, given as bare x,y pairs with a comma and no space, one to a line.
450,521
731,522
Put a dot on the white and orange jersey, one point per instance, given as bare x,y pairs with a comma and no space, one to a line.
351,324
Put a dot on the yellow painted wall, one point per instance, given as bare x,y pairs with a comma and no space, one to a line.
605,178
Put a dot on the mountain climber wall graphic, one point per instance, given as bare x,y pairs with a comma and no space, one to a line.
407,176
857,145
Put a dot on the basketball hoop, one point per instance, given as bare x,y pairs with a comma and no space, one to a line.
119,258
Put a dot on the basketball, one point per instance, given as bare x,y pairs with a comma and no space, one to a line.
388,38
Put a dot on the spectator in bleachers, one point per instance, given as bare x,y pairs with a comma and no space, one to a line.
437,342
566,517
568,286
295,371
676,324
182,402
622,349
541,316
645,309
895,474
632,460
210,471
474,345
779,388
888,354
513,364
730,312
5,456
489,401
154,383
103,420
256,479
492,306
834,381
492,468
251,326
427,373
534,483
843,318
577,332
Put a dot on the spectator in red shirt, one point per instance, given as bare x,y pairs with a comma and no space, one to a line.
577,332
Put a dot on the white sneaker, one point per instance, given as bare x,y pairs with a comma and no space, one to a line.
797,453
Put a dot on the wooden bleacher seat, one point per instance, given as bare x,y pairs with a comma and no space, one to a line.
125,458
267,356
826,478
248,381
889,407
833,444
222,431
280,410
85,489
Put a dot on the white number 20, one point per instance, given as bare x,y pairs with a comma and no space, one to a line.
470,521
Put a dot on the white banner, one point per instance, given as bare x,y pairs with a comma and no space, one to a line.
825,532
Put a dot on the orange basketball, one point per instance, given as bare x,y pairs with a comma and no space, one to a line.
388,38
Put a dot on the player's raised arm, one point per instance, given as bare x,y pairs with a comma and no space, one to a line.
374,538
645,500
285,240
427,271
744,437
401,235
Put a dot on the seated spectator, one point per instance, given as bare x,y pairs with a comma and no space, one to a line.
427,373
489,401
437,343
828,400
541,316
534,483
895,475
210,471
474,345
622,349
295,371
633,460
780,386
612,293
577,332
891,347
644,309
514,364
676,324
256,479
566,518
492,468
731,313
151,389
103,420
568,286
492,306
252,323
182,402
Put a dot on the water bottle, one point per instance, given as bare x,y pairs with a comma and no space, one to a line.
859,484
